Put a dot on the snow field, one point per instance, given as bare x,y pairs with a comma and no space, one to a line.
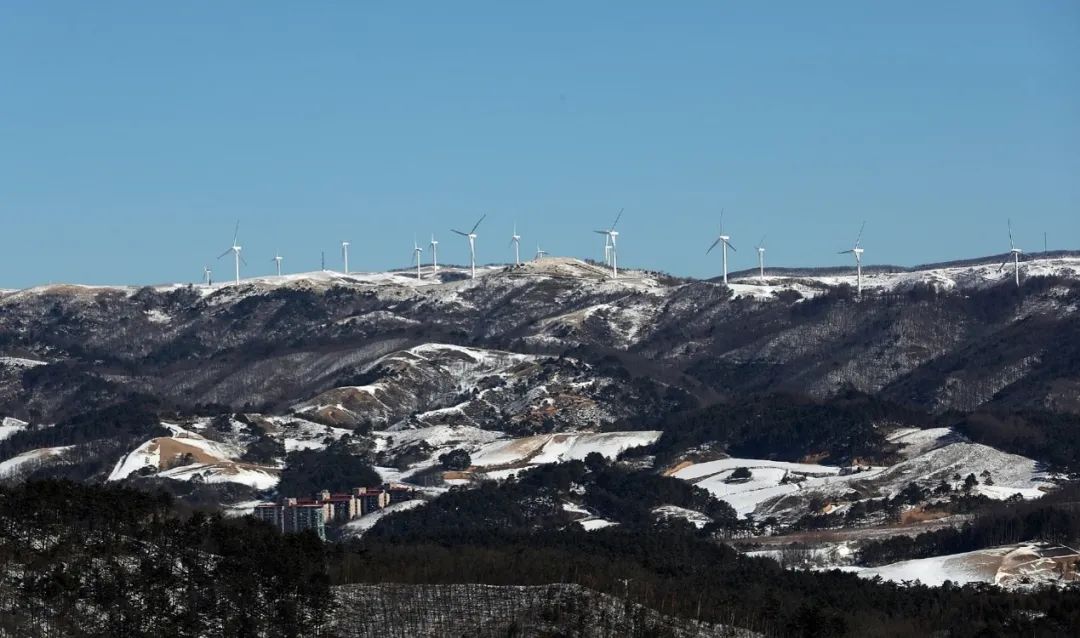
557,448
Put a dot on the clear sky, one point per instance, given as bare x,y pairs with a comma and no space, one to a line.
134,134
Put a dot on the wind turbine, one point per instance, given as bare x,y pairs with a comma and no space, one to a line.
540,252
858,257
277,261
417,250
206,275
1015,252
515,241
345,255
434,255
761,258
611,234
235,250
722,239
471,235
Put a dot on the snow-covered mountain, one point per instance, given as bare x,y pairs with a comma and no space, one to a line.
530,365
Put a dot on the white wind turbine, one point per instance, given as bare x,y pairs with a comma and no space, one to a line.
722,239
858,252
1016,253
434,255
206,275
345,255
515,241
417,251
235,250
611,235
471,235
761,258
277,262
540,252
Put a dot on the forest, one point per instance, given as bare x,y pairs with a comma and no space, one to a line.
84,560
789,427
123,562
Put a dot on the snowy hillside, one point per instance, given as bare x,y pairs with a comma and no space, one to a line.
1018,566
931,457
188,456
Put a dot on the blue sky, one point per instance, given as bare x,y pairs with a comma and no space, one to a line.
134,134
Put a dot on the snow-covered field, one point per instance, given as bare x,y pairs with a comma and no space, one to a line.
930,456
594,523
766,482
9,426
557,448
20,362
28,460
970,567
225,472
1011,566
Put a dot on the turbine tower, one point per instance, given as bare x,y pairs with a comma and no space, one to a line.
471,236
858,257
235,250
540,253
1015,252
761,258
206,276
277,262
417,250
722,239
515,241
345,255
611,234
434,255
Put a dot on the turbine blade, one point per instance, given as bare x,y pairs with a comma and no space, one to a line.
721,221
728,244
845,252
242,260
477,224
761,244
617,218
1011,246
459,232
225,253
236,233
718,240
859,238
